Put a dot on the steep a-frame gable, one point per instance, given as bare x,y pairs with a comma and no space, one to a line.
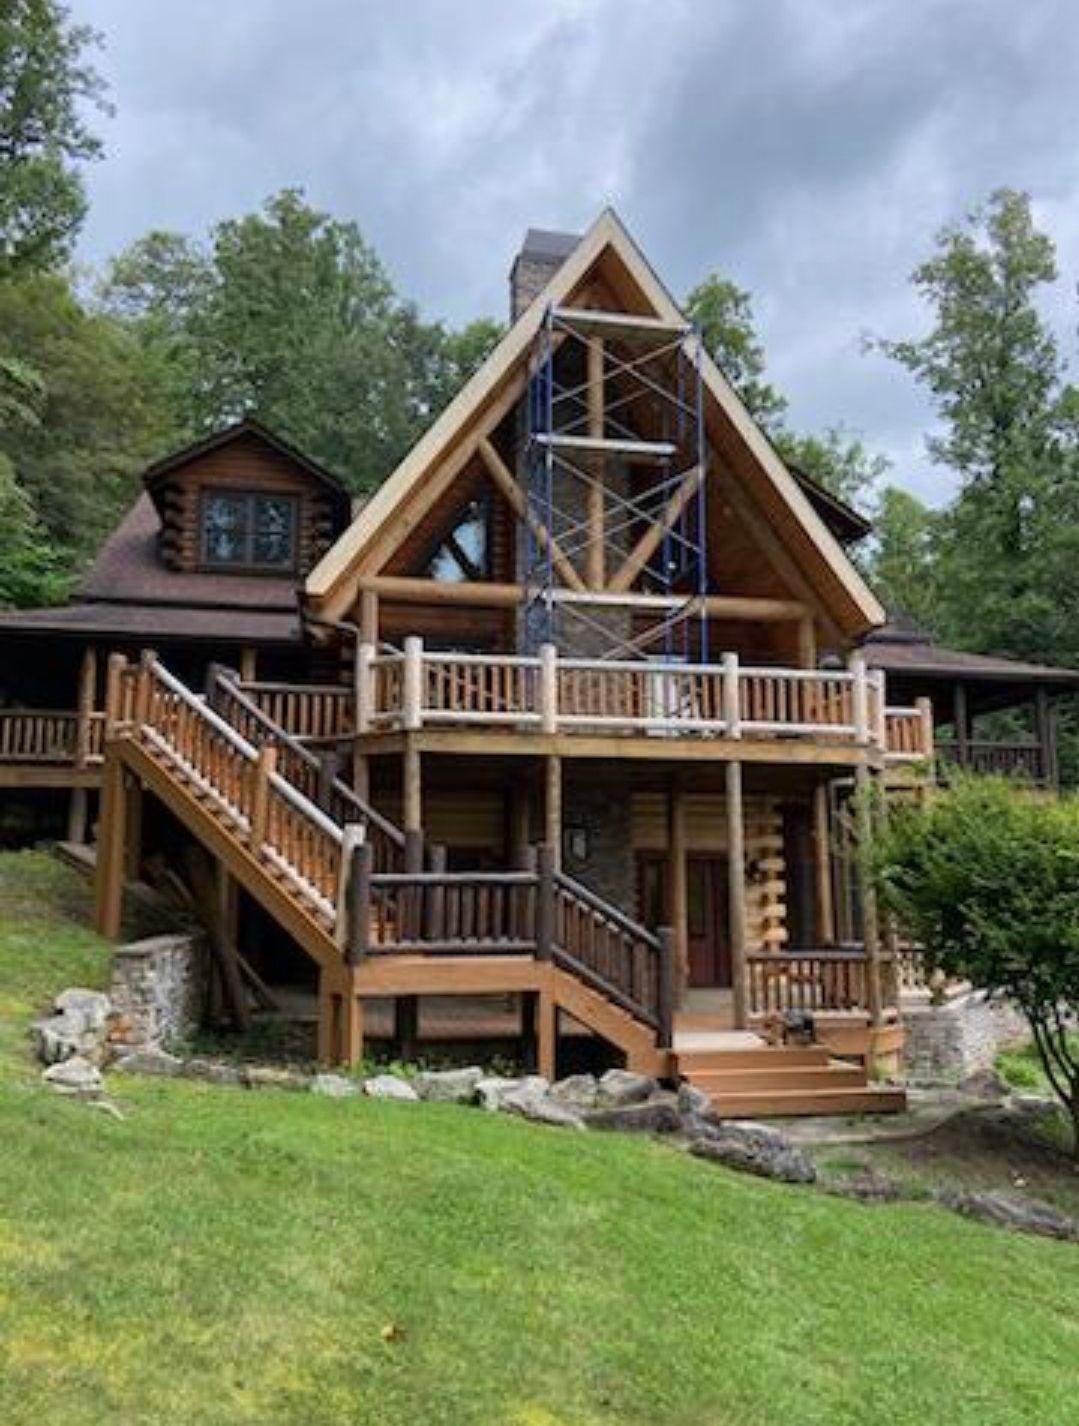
766,496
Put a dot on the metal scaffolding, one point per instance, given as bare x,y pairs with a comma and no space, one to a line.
615,460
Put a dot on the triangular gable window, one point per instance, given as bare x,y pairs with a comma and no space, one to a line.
464,554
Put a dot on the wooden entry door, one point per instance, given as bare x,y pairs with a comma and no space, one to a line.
707,925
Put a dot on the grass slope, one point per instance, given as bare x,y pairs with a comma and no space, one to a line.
229,1257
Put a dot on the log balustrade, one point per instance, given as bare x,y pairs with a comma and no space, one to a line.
51,736
817,981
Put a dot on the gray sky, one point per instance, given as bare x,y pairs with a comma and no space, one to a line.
807,148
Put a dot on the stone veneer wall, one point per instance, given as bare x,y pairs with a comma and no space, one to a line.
962,1037
603,811
157,990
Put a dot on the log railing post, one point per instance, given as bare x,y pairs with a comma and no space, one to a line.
434,912
879,730
665,988
549,688
143,687
357,899
412,686
87,686
114,675
327,776
260,802
365,687
545,902
925,711
859,699
732,696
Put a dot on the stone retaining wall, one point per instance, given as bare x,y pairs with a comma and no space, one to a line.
157,989
962,1037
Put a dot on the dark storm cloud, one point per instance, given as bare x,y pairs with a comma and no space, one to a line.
810,148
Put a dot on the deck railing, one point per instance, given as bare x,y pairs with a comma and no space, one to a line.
51,736
1024,759
313,713
421,688
817,981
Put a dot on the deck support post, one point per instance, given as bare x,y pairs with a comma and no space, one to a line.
961,718
109,875
552,805
340,1019
864,791
406,1026
736,873
78,812
678,907
822,846
547,1036
529,1023
248,664
412,788
133,833
1043,715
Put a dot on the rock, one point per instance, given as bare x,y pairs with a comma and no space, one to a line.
492,1091
624,1087
579,1091
73,1076
457,1086
211,1071
389,1086
88,1010
153,1062
693,1103
658,1115
764,1157
1019,1214
334,1086
56,1039
536,1105
275,1077
985,1084
1034,1108
867,1185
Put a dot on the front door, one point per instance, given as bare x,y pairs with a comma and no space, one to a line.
706,922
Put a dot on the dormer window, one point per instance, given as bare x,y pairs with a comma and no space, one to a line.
248,529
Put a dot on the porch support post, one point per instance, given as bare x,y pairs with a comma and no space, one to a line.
807,642
679,883
961,716
340,1019
864,788
406,1026
133,833
369,617
248,664
552,805
412,787
77,816
520,821
736,872
1046,737
822,841
547,1036
109,875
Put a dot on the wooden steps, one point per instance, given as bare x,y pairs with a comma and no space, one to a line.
774,1081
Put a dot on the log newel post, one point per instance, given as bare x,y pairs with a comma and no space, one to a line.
549,688
327,776
665,988
142,687
545,902
354,899
265,767
87,686
859,699
412,685
114,698
876,682
732,699
365,687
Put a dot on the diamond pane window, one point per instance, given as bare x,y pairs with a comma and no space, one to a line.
249,530
464,553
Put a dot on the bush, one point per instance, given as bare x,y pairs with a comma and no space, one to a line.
986,878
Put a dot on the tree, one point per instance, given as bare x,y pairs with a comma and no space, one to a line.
1006,546
902,561
723,314
45,86
987,879
102,414
838,459
288,315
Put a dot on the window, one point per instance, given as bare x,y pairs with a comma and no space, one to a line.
464,553
248,530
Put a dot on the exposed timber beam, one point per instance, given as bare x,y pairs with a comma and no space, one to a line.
502,476
649,542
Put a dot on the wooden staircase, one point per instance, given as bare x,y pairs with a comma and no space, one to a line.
747,1081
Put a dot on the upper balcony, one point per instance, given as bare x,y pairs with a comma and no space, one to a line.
841,714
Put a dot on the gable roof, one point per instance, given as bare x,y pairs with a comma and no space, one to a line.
841,590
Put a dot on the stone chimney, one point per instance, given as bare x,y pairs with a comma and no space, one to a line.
541,255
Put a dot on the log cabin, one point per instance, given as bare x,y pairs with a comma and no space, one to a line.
565,721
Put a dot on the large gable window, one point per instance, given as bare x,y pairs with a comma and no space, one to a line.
464,553
248,530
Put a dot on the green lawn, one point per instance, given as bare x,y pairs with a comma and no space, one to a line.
231,1257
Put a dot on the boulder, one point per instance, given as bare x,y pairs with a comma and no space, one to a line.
765,1156
624,1087
73,1076
693,1103
56,1038
456,1086
275,1077
491,1092
1019,1214
88,1010
211,1071
866,1185
658,1115
530,1102
579,1091
152,1062
334,1086
390,1086
79,1026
